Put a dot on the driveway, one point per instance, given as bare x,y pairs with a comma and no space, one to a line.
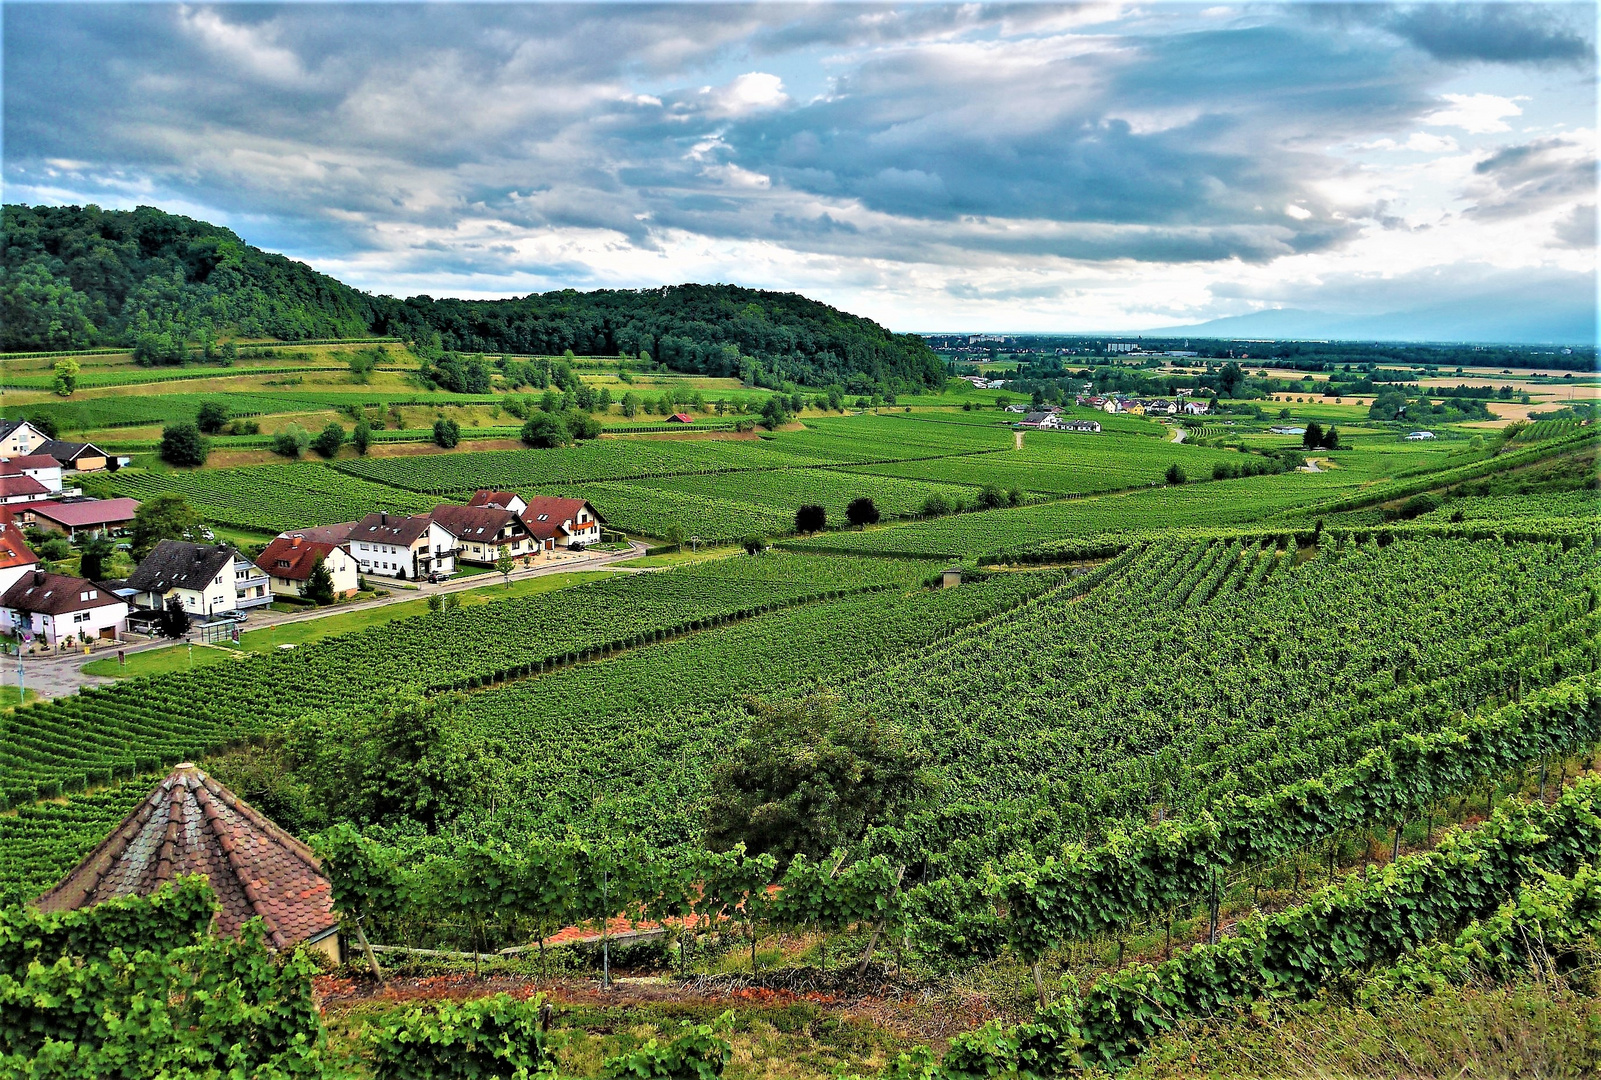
60,674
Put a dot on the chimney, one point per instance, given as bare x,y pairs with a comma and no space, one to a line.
38,577
383,517
294,541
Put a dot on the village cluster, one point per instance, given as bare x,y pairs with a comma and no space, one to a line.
214,583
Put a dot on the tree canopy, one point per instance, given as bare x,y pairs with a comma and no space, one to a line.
80,276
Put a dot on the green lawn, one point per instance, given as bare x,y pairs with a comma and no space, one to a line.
264,639
8,696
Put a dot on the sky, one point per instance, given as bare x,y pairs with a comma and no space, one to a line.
1021,167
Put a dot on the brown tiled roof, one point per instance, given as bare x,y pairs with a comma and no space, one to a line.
485,497
55,594
190,824
324,534
481,523
393,529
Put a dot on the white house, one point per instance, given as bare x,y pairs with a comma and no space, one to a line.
401,547
202,576
483,534
1197,408
16,488
18,438
42,467
1419,436
55,608
1041,420
1093,426
561,522
289,560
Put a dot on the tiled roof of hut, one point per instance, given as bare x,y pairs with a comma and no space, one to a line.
190,824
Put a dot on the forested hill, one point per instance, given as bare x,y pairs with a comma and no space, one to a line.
79,277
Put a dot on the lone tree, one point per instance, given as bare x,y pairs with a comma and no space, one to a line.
174,619
545,431
810,518
447,433
862,512
1175,474
1313,438
320,585
211,417
810,778
66,380
504,566
92,561
754,545
1331,438
329,440
166,517
182,445
361,438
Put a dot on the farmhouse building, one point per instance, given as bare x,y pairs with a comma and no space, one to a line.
289,560
402,547
42,467
75,516
55,607
483,534
1093,426
190,824
18,438
1197,408
557,522
207,579
16,488
75,456
1041,420
16,558
1420,436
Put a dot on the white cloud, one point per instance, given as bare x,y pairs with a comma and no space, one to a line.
252,48
747,93
1476,114
1299,213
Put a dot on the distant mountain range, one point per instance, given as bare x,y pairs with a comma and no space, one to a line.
1523,319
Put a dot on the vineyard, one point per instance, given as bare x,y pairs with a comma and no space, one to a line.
102,734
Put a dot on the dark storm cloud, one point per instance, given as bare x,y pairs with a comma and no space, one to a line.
1502,33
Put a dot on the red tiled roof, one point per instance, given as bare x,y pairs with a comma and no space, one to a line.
301,555
18,484
190,824
14,550
17,465
77,515
681,418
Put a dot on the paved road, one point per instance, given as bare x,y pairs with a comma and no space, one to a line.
57,675
1178,434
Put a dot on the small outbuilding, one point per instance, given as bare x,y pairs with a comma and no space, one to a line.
190,824
680,418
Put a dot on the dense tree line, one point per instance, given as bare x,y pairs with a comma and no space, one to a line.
76,277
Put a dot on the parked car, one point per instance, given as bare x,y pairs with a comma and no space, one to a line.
236,616
576,545
435,578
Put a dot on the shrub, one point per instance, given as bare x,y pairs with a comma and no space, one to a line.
492,1036
447,434
1175,474
699,1053
291,442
